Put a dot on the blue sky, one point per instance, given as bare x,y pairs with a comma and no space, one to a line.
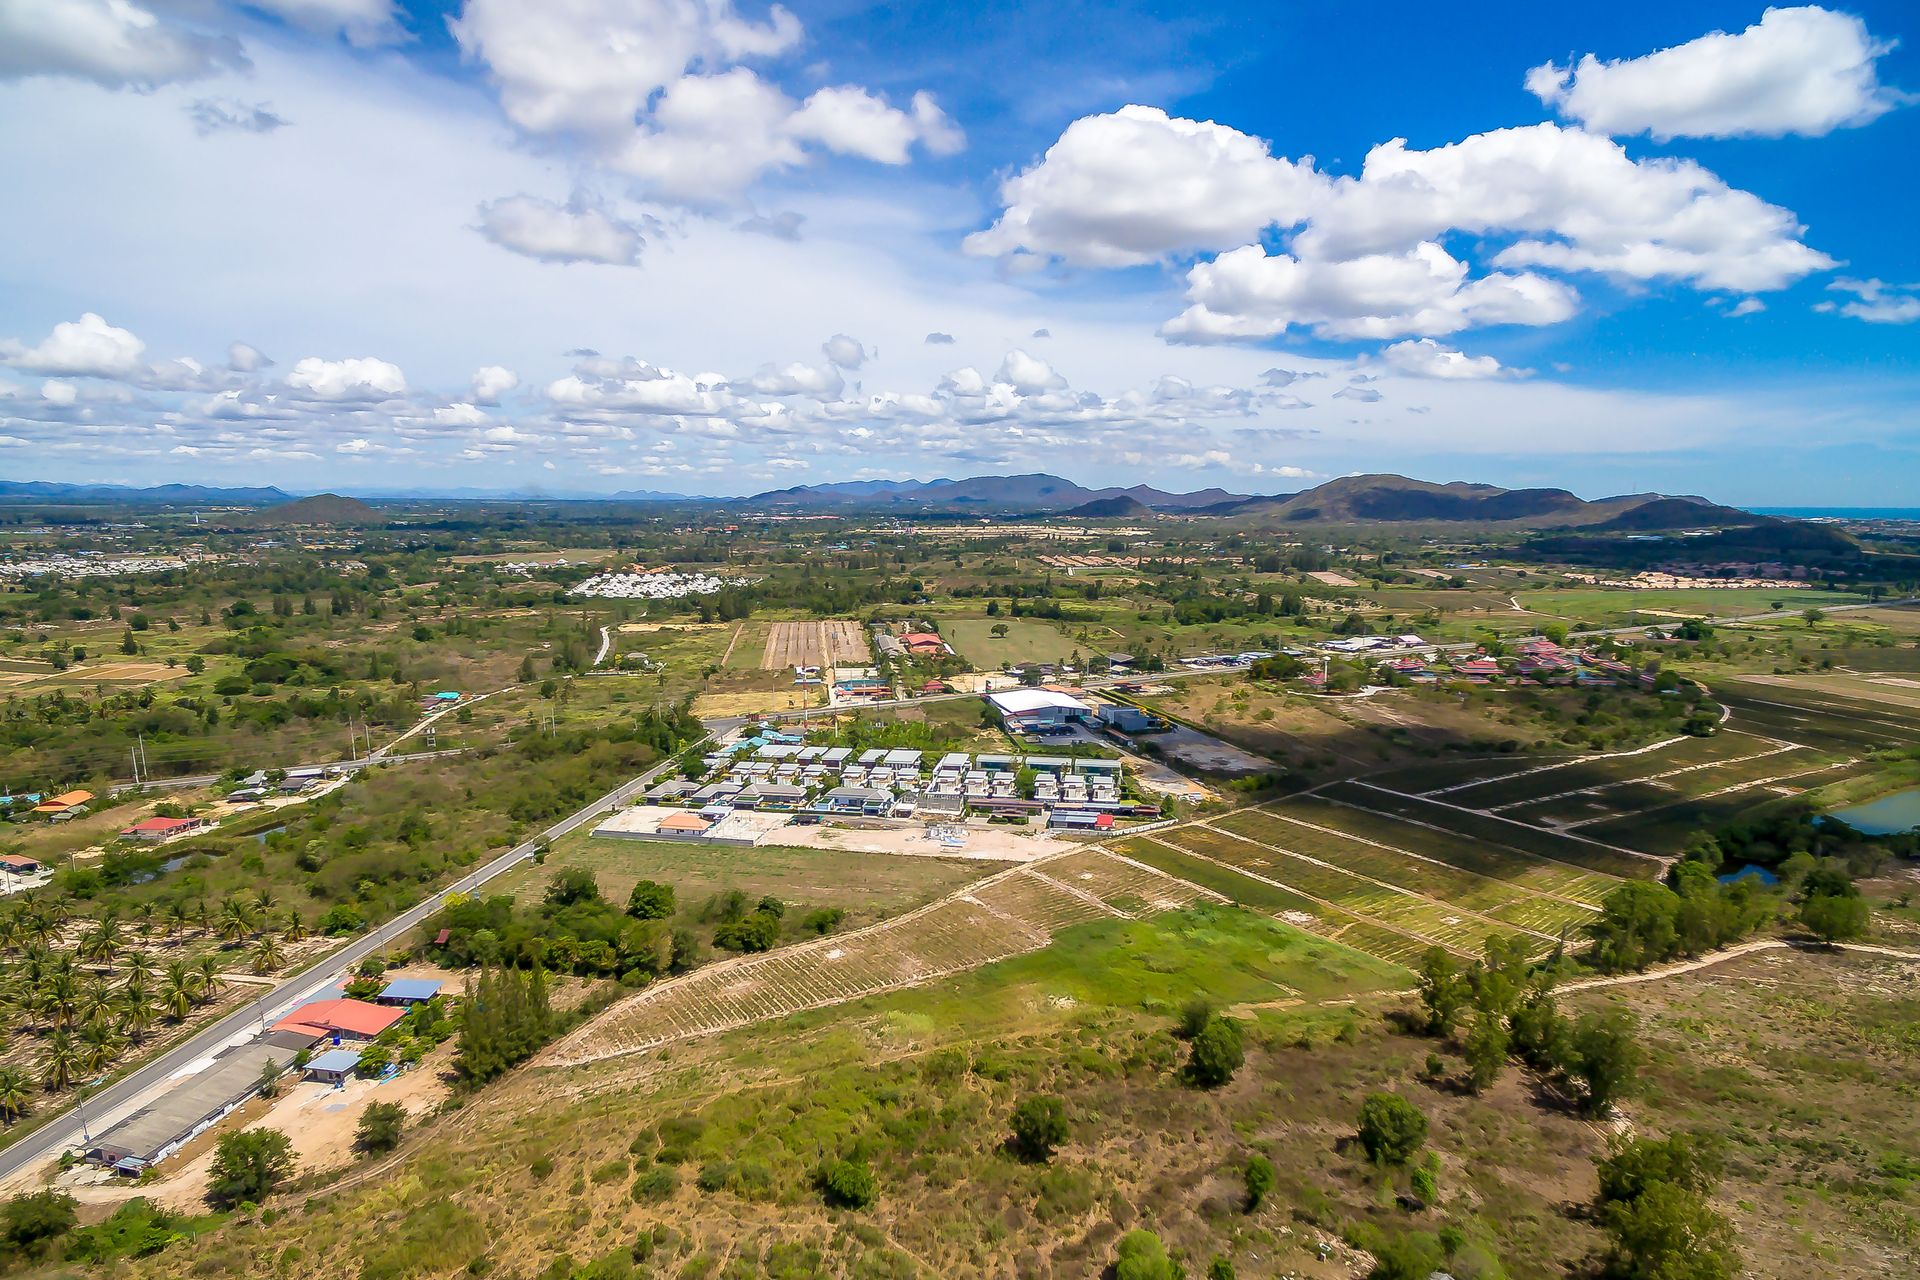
679,245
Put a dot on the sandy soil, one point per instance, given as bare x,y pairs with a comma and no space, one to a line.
715,706
988,844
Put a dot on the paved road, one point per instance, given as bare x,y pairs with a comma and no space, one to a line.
66,1131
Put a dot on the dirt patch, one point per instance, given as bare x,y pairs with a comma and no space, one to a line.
837,641
715,706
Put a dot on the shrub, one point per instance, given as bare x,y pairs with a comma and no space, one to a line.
1391,1128
1194,1015
1216,1053
1141,1256
714,1176
380,1127
657,1183
248,1165
37,1219
1039,1125
1259,1181
848,1184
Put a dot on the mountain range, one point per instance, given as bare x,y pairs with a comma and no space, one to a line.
1036,492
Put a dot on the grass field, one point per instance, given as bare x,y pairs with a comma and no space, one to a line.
866,886
1027,640
1615,604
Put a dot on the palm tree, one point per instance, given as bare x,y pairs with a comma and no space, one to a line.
99,1046
207,971
143,915
60,1064
178,913
263,901
295,929
268,954
136,1014
60,997
178,990
13,930
138,969
101,943
203,917
237,919
98,1004
15,1094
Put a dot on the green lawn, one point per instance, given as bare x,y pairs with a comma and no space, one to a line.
1613,605
1027,640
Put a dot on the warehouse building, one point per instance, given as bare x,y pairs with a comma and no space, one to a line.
1041,710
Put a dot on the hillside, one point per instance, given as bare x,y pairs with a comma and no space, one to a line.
321,508
156,495
1398,499
1034,492
1120,506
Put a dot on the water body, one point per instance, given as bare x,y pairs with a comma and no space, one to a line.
260,837
1887,816
1840,513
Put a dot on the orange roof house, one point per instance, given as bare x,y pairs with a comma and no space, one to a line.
64,801
682,822
352,1019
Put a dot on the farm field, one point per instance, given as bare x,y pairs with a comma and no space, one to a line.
866,886
991,921
1615,605
837,641
1890,691
1573,851
1027,640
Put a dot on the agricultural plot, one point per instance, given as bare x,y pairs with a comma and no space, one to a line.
1006,914
1025,640
835,642
1570,849
1820,717
1582,772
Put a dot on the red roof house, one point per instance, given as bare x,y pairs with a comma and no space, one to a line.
161,828
346,1018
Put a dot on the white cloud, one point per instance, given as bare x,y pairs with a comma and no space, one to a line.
460,414
87,347
1595,207
490,382
353,446
226,115
576,232
1250,293
1361,395
114,43
1136,185
1806,71
1747,307
242,358
362,22
1425,358
1029,375
852,121
58,392
797,379
361,378
844,351
1876,301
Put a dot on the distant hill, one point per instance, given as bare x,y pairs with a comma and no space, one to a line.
321,509
1123,506
1397,499
1034,492
184,495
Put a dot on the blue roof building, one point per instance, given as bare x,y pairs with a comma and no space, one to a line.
334,1065
410,991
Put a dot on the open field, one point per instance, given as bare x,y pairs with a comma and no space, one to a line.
837,641
1615,605
1001,916
866,886
115,675
1886,690
567,555
1027,640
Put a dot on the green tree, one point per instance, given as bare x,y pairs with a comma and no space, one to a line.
1603,1055
1444,991
1221,1268
1833,917
1039,1125
1406,1255
1141,1256
1215,1053
1636,927
571,885
650,900
16,1094
35,1220
1486,1050
1668,1233
1391,1128
381,1125
1689,1161
848,1184
1258,1179
248,1165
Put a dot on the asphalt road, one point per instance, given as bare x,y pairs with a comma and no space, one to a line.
66,1131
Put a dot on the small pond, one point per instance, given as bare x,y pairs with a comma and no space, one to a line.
1889,815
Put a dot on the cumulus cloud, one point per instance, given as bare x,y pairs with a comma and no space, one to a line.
114,43
797,379
363,22
56,391
359,378
1579,202
1027,374
938,339
845,352
657,89
242,358
87,347
1425,358
784,225
1747,307
490,382
1250,293
1802,71
574,232
1136,185
1875,301
225,115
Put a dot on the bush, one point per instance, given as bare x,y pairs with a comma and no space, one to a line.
248,1165
1141,1256
1259,1181
35,1220
1391,1128
1216,1053
657,1183
1194,1016
650,900
380,1127
848,1184
1039,1125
